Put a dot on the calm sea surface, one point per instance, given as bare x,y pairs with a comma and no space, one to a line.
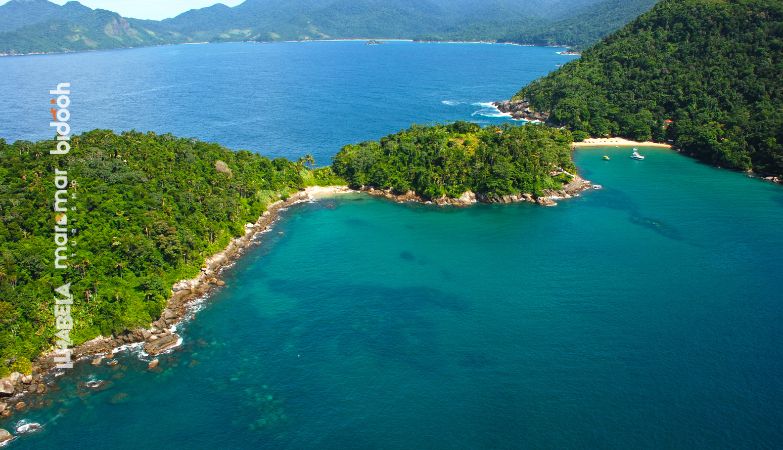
644,315
284,99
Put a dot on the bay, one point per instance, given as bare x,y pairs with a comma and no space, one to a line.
643,315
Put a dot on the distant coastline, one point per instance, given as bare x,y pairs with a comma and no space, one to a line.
299,41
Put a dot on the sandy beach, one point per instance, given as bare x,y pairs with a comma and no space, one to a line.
618,142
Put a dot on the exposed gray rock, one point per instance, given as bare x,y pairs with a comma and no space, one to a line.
160,345
521,109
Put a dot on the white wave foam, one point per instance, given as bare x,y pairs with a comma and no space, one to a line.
451,102
488,109
24,427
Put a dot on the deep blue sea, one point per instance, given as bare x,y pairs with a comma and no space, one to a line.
644,315
282,99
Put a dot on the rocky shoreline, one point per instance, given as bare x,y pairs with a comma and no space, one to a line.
17,390
550,198
521,110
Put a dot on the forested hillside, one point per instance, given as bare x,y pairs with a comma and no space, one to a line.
584,28
149,210
449,160
28,26
705,74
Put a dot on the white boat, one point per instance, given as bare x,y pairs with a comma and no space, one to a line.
636,155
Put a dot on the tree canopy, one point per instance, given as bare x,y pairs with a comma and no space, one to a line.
705,74
448,160
149,210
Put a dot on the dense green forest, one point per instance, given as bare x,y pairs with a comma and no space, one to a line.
584,28
452,159
705,74
149,210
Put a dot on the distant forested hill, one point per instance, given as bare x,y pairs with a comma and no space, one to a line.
707,74
28,26
587,26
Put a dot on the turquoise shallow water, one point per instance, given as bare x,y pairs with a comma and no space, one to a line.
645,315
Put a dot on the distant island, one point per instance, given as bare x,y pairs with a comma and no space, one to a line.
39,26
702,75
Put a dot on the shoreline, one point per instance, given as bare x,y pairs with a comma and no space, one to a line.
415,41
160,337
19,392
570,190
618,142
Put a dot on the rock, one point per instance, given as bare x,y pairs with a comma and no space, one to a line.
3,406
153,364
97,361
521,109
468,197
20,406
222,167
5,436
221,283
96,385
27,379
6,388
41,389
112,363
15,377
158,346
169,314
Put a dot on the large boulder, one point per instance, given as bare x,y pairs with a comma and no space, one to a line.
6,387
5,436
160,345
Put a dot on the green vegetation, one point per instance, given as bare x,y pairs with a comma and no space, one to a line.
586,27
28,26
449,160
705,74
149,210
41,26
